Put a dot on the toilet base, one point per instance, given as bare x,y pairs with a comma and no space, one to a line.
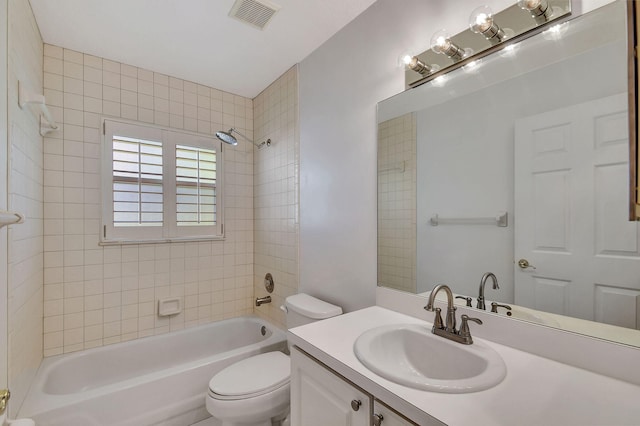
267,423
282,420
263,410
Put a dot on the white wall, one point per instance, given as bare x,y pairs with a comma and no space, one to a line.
340,84
25,180
3,198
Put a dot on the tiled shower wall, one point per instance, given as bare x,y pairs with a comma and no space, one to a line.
276,179
25,177
397,203
95,295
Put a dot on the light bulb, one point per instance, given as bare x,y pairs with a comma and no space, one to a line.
441,43
539,9
404,59
529,4
415,64
481,19
481,22
407,60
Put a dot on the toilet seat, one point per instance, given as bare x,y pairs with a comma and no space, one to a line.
251,377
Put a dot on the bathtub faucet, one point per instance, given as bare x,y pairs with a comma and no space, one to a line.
261,300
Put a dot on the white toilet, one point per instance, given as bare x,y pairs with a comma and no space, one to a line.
255,390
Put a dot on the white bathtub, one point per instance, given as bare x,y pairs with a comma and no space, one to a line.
159,380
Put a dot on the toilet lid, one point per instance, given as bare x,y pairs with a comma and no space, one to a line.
252,376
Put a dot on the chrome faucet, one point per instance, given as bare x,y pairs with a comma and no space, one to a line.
263,300
483,281
448,331
451,310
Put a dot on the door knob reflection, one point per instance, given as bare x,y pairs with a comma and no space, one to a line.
524,264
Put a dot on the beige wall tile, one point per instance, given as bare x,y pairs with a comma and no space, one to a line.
110,293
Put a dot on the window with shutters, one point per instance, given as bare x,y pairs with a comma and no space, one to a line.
160,185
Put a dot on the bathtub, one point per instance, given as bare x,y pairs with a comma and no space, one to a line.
159,380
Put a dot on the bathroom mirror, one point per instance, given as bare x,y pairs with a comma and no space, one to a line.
519,166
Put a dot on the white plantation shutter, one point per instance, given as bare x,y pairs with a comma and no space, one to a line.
159,185
137,182
195,186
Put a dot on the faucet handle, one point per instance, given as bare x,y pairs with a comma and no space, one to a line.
495,306
437,321
465,298
464,332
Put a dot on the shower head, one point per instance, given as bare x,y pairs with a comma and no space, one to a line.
227,137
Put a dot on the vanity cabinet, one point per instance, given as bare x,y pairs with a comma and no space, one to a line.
320,397
385,416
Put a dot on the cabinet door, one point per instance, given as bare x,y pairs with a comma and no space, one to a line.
321,398
384,416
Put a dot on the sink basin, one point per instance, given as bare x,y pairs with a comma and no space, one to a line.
411,355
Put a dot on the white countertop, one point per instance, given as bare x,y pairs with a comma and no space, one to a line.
536,391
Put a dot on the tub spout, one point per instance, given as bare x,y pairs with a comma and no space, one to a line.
262,300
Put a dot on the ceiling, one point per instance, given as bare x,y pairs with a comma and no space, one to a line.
196,40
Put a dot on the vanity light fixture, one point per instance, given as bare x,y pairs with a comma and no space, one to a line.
500,32
539,9
415,64
441,43
481,22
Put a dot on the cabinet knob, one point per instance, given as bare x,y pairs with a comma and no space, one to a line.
355,404
377,419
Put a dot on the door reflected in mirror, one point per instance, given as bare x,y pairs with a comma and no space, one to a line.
541,138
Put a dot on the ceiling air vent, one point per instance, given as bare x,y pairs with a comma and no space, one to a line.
253,12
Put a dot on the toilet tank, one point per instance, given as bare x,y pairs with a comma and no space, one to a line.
303,309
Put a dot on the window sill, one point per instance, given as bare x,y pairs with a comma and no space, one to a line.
162,241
